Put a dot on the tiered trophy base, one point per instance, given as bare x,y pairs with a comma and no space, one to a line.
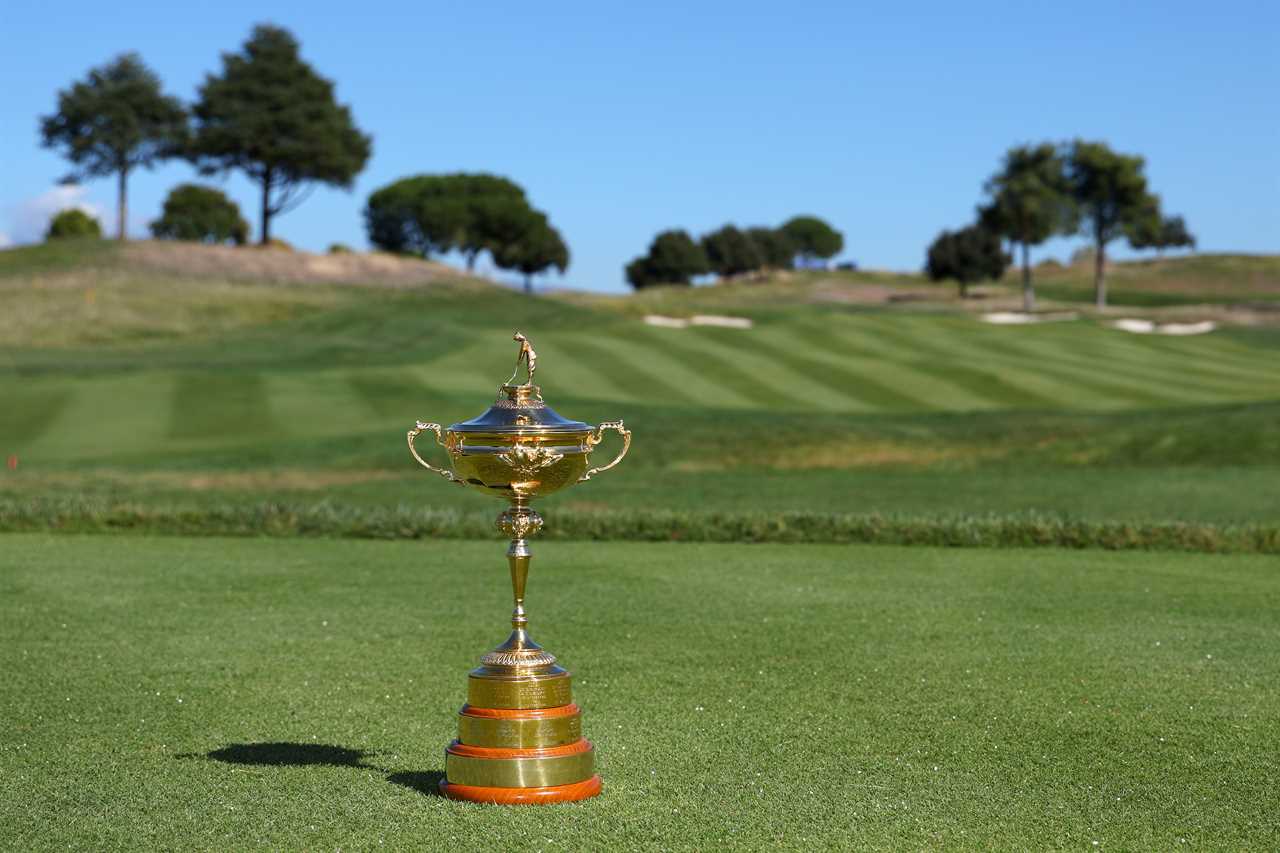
520,739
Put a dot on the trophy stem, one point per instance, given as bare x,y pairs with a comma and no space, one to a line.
519,652
518,560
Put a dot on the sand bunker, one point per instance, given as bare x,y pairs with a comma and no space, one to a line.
1019,318
1147,327
698,320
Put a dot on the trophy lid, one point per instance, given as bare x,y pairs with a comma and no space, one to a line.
519,408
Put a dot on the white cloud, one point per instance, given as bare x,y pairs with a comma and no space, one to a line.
5,242
27,220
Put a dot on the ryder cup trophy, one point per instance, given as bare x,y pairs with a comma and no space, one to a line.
519,735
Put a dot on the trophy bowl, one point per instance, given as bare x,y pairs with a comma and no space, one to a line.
520,733
520,448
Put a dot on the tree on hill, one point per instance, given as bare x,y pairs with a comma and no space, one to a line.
270,115
1111,195
813,238
114,121
202,214
967,256
731,252
1028,201
433,214
673,258
72,223
537,249
1160,233
776,247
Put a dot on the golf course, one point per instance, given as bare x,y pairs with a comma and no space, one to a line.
875,573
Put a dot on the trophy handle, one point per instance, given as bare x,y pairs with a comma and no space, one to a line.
413,434
598,436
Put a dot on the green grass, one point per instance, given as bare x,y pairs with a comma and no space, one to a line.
739,696
233,393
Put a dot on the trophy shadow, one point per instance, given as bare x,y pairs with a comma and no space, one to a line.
288,754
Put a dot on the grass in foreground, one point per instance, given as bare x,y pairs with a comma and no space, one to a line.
214,693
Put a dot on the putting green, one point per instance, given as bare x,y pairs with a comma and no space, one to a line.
214,693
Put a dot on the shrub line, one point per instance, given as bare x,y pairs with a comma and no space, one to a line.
1030,530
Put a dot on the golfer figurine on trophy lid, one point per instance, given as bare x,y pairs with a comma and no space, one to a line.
519,735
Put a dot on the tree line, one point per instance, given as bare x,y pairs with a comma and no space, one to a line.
267,113
675,258
271,116
1039,191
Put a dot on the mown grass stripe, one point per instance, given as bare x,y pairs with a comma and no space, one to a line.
1082,382
893,367
565,369
746,376
1093,350
316,402
622,372
947,350
107,416
653,346
388,394
27,414
956,361
818,385
1030,358
858,383
221,406
1225,356
1115,360
466,369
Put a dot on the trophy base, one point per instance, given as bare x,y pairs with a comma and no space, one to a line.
520,740
522,796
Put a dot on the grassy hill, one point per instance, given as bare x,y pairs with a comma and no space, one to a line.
128,379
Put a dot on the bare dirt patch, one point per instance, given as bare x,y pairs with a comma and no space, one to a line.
282,265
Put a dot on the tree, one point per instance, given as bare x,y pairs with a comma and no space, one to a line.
72,223
1161,233
202,214
813,238
776,248
272,116
1110,192
538,248
639,274
1028,201
731,252
429,214
114,121
968,255
673,258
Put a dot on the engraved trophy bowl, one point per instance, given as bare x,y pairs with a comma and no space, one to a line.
519,735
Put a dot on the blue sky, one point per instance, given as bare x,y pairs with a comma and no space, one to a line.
621,119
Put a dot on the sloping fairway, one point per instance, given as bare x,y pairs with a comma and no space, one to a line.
174,693
301,394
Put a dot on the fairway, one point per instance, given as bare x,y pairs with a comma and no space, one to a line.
206,693
137,391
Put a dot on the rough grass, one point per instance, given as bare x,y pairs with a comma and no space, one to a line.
327,519
170,693
1176,280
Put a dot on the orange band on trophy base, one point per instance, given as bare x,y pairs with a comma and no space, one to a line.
522,796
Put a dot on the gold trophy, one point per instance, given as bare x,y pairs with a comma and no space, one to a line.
519,735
